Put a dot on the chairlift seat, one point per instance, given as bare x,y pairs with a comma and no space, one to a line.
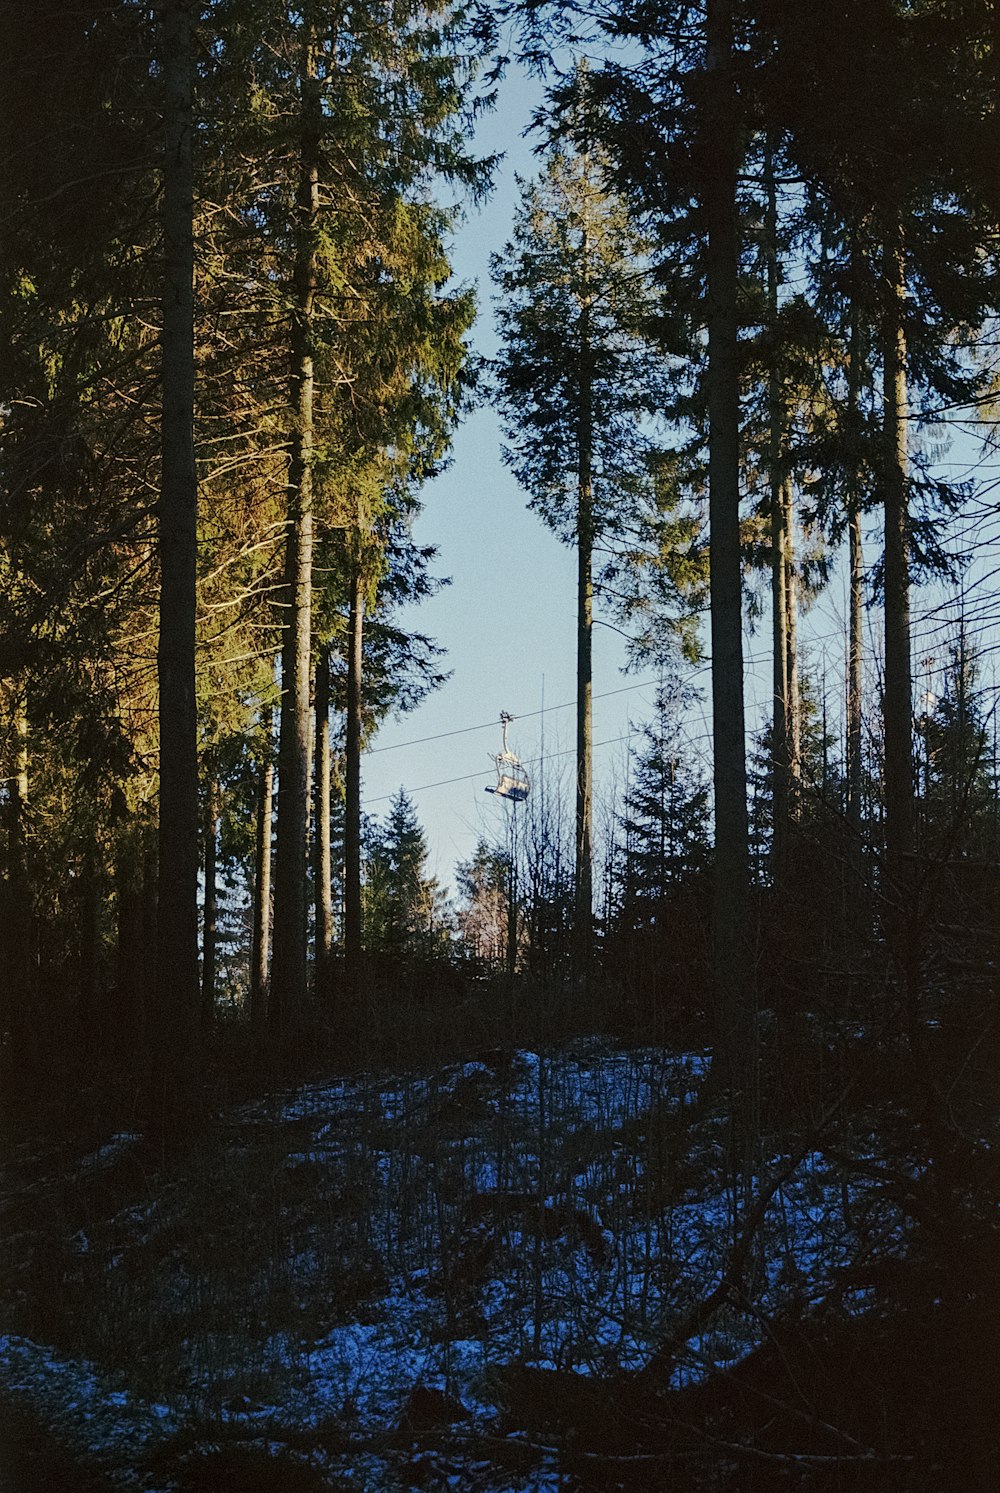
516,789
512,780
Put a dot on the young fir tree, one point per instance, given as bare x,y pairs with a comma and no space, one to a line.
405,909
665,823
956,767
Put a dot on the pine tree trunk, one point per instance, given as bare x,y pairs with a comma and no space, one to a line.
90,922
322,871
794,726
261,948
127,1013
898,706
584,658
855,657
733,1012
149,913
175,1008
352,787
781,744
289,963
210,911
15,1010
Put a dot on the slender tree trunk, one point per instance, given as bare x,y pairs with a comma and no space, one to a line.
781,744
584,658
322,871
90,922
289,963
175,1008
352,786
262,878
730,943
210,911
149,913
16,1009
855,657
128,933
898,706
19,793
794,716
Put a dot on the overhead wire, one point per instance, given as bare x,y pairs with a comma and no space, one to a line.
522,715
469,777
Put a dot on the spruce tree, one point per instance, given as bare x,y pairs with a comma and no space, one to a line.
405,911
665,822
579,384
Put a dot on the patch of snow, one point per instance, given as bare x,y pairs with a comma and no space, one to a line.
116,1147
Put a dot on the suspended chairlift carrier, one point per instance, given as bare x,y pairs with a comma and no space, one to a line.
512,780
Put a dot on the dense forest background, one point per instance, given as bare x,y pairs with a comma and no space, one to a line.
747,304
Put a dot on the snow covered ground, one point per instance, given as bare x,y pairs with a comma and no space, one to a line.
356,1262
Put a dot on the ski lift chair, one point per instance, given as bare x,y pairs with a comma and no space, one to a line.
512,780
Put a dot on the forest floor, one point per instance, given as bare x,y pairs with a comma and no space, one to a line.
463,1278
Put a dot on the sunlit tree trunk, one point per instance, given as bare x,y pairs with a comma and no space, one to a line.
322,869
289,962
261,946
15,1008
781,764
175,1008
352,786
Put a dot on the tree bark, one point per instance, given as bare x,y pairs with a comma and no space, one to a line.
322,870
261,944
175,1008
855,657
290,964
898,706
730,943
353,947
794,727
90,923
16,1004
210,911
781,761
129,931
584,882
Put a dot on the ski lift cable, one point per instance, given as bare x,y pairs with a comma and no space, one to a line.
525,715
469,777
760,658
931,613
520,716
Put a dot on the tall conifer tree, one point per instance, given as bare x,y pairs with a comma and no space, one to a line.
176,1000
579,385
